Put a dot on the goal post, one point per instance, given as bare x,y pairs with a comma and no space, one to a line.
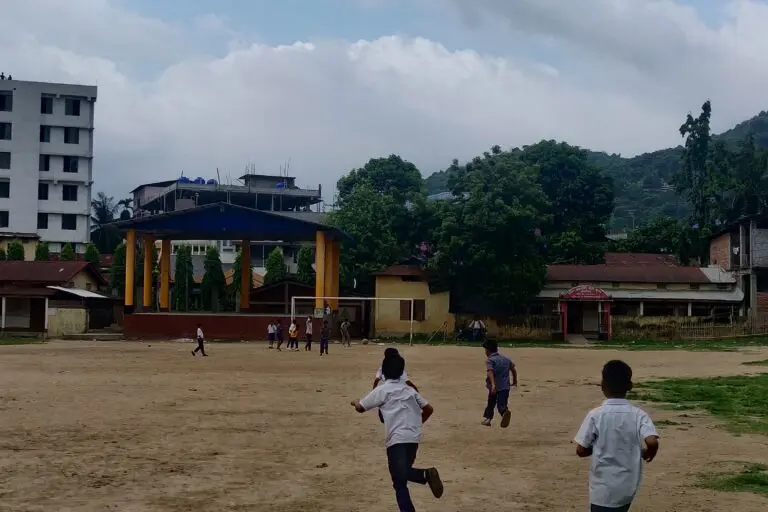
372,299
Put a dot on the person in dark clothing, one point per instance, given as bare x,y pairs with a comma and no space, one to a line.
325,334
308,344
279,335
200,342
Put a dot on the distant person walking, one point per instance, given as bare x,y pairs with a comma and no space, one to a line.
279,335
478,329
200,342
325,334
293,337
308,332
271,333
345,339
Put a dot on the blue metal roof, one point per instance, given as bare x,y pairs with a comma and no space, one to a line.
224,221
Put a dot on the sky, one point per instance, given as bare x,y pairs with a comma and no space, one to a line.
194,86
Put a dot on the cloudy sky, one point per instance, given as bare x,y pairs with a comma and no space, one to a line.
192,85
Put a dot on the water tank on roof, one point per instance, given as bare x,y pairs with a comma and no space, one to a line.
183,179
212,182
199,181
281,185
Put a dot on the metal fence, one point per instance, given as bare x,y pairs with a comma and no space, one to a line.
688,328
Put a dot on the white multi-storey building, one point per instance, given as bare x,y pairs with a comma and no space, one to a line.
46,161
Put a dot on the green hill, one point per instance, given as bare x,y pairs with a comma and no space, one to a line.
642,182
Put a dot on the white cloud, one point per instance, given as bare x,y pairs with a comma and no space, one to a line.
627,77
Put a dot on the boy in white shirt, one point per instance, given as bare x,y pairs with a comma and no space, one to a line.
379,379
271,333
404,412
308,332
200,342
618,436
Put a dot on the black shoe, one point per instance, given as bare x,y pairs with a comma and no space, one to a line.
193,353
434,482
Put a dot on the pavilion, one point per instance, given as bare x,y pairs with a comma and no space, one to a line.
219,221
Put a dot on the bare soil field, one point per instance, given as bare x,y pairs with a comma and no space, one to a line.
147,427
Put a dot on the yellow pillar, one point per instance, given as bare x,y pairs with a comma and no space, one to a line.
165,275
332,272
246,276
130,265
149,243
319,269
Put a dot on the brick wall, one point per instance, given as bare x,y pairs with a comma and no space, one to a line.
762,302
719,251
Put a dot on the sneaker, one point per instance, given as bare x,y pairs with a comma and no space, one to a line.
486,422
506,418
193,353
434,482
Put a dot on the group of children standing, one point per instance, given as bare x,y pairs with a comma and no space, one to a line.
617,435
275,333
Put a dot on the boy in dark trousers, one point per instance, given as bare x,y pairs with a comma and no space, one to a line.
325,334
279,335
498,368
404,411
200,342
619,437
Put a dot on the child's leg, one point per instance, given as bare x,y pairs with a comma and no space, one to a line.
502,403
400,467
488,414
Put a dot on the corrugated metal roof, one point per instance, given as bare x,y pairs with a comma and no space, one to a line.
626,274
734,295
85,294
44,271
615,259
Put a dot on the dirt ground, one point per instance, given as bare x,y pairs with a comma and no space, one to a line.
147,427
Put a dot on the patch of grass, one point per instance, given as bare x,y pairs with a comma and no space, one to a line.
666,423
741,401
20,341
764,362
752,478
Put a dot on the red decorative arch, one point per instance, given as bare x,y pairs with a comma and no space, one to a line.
585,292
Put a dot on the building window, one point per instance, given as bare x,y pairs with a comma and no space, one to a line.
46,105
45,163
71,135
69,222
4,219
5,160
70,163
71,107
695,287
6,101
5,131
42,221
69,193
45,133
42,191
419,310
5,189
661,286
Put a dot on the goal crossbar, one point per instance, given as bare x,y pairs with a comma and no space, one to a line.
409,299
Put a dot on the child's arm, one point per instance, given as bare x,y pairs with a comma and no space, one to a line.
359,408
492,379
651,449
648,434
376,382
513,371
411,384
586,436
426,412
372,400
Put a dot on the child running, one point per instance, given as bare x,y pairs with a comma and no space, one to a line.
618,436
498,368
325,333
293,337
271,333
404,411
308,332
200,342
379,379
279,335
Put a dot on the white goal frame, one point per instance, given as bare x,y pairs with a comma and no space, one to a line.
374,299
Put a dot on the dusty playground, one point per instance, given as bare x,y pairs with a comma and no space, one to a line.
147,427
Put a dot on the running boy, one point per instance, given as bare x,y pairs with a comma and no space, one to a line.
279,335
404,411
308,331
379,379
325,334
200,342
271,333
498,368
293,337
618,436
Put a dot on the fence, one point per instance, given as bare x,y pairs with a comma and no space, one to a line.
522,327
688,328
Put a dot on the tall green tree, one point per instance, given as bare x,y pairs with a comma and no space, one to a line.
42,252
487,251
92,255
15,251
275,267
183,278
104,211
67,253
3,255
391,176
234,286
214,285
663,235
117,271
304,272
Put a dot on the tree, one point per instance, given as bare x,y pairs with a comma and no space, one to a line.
42,252
104,211
234,286
117,272
92,255
183,278
663,235
275,267
581,201
15,251
67,254
304,272
487,251
214,285
390,176
3,256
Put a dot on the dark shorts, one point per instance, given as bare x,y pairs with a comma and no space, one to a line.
598,508
271,336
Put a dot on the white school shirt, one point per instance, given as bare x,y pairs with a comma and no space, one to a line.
615,431
199,333
380,376
270,329
400,406
309,327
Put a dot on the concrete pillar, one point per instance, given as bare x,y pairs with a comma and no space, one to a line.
320,253
690,309
332,272
2,321
642,308
46,316
246,276
130,266
165,276
146,302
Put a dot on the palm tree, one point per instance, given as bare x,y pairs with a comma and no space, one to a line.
104,210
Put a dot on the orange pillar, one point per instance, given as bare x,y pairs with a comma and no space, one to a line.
320,253
246,276
332,272
130,267
149,243
165,275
